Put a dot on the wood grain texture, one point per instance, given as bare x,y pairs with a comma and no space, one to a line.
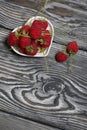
54,97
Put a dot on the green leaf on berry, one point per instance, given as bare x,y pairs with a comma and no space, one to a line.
41,49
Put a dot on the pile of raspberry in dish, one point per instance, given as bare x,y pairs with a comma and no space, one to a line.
32,38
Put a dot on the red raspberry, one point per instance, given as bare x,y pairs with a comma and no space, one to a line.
24,41
46,32
37,24
25,28
42,24
31,50
61,57
35,33
72,47
12,39
21,50
45,41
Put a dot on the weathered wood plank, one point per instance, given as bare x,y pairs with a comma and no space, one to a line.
10,122
75,23
54,96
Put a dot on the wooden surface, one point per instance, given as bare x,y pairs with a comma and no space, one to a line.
32,98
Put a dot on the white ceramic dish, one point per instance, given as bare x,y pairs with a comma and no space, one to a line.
50,27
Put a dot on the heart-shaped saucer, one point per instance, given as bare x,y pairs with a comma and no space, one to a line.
50,28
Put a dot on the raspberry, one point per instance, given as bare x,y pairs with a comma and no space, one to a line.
72,47
61,56
31,50
45,41
46,32
25,28
35,33
37,24
24,41
21,50
42,24
12,39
